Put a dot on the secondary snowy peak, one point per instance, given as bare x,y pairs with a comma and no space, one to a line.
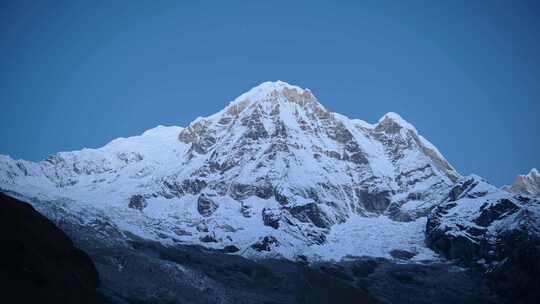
396,121
135,156
526,184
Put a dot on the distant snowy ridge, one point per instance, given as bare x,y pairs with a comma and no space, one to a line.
526,184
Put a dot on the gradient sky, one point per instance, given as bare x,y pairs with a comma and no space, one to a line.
77,74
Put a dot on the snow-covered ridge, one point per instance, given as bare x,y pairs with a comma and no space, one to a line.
528,184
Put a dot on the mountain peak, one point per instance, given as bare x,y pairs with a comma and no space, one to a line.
275,91
392,117
526,184
392,123
278,85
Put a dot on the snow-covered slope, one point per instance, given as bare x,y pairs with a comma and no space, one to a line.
274,173
526,184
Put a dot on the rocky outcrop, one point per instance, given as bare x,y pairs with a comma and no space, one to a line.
271,217
206,206
311,213
38,262
374,201
265,244
137,202
402,254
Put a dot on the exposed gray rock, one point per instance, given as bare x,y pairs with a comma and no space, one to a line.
255,127
493,212
172,189
316,236
206,206
311,213
193,186
245,211
208,239
271,217
374,201
241,191
402,254
199,135
264,191
265,244
137,202
281,198
459,189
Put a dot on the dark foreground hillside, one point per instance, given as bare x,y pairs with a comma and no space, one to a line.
38,262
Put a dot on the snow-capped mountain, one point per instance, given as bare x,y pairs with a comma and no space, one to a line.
526,184
273,173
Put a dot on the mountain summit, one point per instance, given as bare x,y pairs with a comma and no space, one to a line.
277,141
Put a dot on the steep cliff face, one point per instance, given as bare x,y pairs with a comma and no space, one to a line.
38,262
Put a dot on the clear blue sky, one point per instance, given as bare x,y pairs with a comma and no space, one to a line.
77,74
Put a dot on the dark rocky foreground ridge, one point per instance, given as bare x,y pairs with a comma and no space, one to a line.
134,270
38,262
